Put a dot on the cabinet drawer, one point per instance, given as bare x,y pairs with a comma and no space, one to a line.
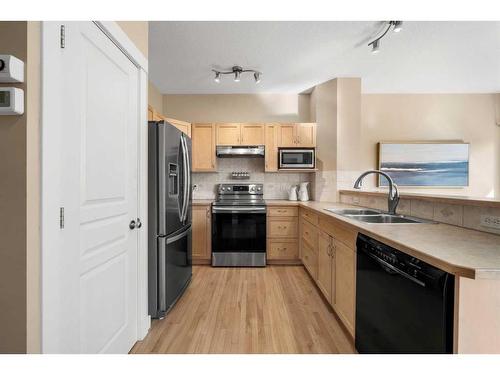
286,227
281,249
310,216
309,233
339,232
282,211
310,259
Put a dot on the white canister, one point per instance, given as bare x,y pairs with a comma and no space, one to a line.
303,194
292,193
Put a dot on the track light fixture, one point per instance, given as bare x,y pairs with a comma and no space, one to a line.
236,71
397,26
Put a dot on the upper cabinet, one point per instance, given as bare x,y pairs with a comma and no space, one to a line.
271,148
240,134
203,148
183,126
297,135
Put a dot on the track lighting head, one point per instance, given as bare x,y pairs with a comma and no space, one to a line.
237,71
217,77
375,47
398,26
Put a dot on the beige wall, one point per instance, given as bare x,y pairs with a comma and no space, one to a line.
238,108
138,32
429,117
13,205
155,98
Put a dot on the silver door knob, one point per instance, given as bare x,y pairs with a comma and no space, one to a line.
132,224
139,223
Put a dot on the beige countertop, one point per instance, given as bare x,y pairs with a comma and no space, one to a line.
463,252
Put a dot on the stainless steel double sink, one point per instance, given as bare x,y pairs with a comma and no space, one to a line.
377,217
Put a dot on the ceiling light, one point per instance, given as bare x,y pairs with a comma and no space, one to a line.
217,77
237,71
397,27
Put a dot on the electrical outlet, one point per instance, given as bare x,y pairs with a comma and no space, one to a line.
490,221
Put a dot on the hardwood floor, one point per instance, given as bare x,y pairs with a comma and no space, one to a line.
276,309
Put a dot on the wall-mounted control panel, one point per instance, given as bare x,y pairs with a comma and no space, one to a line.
11,101
11,69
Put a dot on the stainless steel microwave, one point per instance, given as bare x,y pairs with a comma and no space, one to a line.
296,158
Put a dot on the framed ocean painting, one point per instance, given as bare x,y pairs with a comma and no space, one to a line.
425,164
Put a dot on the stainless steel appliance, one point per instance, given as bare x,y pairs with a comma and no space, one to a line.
292,158
240,151
239,226
169,229
403,305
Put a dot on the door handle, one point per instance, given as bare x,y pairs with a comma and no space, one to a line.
139,223
132,225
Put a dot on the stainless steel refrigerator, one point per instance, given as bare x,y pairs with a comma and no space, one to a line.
170,199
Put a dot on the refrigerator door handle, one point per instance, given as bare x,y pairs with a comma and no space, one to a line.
162,179
178,236
162,274
188,185
185,169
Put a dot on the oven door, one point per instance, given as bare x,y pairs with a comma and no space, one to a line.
296,158
238,229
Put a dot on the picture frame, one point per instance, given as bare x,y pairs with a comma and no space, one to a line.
425,164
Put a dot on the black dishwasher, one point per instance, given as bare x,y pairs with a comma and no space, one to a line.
403,305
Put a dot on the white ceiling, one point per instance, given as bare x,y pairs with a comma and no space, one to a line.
295,56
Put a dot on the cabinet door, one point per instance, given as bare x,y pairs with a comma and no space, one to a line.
306,134
345,264
252,134
228,134
201,233
203,147
325,264
271,152
183,126
287,136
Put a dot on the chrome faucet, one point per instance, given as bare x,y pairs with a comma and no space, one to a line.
392,199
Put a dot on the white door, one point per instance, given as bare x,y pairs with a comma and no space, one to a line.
94,308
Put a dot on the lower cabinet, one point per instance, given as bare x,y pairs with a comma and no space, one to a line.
202,234
282,235
326,266
327,250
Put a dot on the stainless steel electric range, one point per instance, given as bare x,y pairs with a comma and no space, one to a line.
239,226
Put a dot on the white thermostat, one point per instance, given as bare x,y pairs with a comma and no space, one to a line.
11,101
11,69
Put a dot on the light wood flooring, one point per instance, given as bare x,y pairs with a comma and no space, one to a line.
276,309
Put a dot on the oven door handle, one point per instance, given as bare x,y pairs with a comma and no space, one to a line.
240,210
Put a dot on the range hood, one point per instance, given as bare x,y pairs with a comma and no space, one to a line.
240,151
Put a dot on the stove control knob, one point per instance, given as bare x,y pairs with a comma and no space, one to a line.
223,188
228,188
252,188
259,188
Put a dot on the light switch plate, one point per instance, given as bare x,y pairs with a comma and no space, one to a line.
490,221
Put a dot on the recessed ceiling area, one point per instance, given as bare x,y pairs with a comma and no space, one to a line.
425,57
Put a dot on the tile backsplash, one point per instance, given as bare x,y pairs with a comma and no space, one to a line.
276,185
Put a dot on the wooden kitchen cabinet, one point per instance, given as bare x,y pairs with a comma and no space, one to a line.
183,126
282,235
252,134
325,265
271,148
297,135
202,234
228,134
345,294
203,148
240,134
